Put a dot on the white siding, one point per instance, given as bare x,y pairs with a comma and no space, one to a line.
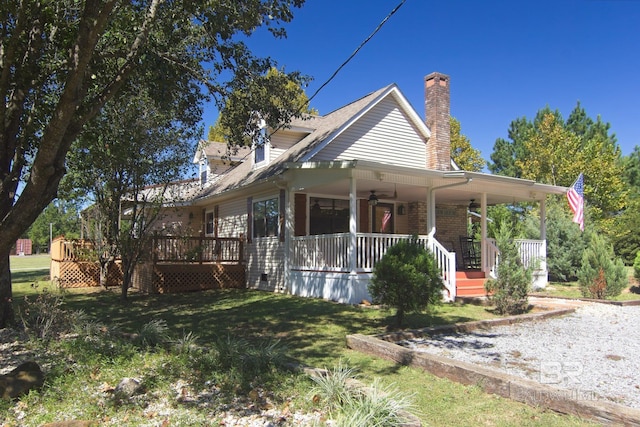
282,141
265,264
384,134
232,220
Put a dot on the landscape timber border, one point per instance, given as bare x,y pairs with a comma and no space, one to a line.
490,380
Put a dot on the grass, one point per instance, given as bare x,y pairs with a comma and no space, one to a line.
572,289
29,269
313,332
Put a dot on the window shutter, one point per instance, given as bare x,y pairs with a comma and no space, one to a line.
216,217
283,212
249,219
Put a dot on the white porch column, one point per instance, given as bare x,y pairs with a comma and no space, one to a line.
543,219
288,236
431,210
483,230
353,226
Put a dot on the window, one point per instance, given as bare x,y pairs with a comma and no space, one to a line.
261,148
209,227
328,216
266,216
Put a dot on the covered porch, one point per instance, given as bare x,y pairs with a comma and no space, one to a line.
385,204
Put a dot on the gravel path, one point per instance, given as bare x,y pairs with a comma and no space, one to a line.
593,353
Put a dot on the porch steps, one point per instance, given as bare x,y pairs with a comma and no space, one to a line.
470,283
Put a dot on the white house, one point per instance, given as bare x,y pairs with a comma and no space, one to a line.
320,202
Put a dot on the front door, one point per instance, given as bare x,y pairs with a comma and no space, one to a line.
382,218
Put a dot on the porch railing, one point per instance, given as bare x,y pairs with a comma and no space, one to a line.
533,254
330,252
197,249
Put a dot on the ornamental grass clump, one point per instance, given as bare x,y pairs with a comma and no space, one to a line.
407,278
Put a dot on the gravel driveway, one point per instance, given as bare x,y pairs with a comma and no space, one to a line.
592,354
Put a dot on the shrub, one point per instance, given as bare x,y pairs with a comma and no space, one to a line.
351,405
601,275
43,316
636,266
406,278
508,292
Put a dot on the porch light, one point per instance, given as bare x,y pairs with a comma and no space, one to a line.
400,209
473,206
373,199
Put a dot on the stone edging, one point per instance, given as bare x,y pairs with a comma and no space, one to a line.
627,303
492,381
471,326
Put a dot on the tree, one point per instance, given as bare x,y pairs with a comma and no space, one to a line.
565,241
553,151
60,218
123,164
509,292
601,274
623,233
293,97
406,278
63,61
465,156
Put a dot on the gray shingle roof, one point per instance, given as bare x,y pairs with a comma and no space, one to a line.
324,127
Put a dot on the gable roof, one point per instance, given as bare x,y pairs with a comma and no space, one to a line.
220,151
325,129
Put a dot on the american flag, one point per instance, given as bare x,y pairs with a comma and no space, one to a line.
385,220
576,201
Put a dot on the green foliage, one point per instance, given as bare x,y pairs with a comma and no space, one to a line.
90,56
245,359
565,241
64,220
465,156
407,278
352,405
623,233
601,274
508,292
553,151
636,266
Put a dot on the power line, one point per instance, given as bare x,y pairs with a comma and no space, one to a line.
335,73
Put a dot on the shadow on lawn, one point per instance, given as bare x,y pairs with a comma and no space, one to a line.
311,329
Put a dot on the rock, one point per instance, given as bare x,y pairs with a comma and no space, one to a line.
128,387
28,376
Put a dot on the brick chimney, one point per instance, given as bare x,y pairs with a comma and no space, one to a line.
437,109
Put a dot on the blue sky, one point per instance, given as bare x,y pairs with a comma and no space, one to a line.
506,59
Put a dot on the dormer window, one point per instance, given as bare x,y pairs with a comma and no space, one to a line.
261,147
204,168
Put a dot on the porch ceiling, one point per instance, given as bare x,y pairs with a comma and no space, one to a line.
411,185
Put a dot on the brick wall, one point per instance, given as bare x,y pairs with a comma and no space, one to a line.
438,111
451,223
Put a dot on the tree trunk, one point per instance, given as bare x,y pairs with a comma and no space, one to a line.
6,296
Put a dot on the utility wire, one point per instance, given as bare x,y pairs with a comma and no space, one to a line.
355,52
335,73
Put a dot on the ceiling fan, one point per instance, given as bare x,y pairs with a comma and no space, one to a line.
374,196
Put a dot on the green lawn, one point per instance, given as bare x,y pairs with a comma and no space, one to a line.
313,332
572,289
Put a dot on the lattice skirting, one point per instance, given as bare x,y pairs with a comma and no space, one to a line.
81,274
171,278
